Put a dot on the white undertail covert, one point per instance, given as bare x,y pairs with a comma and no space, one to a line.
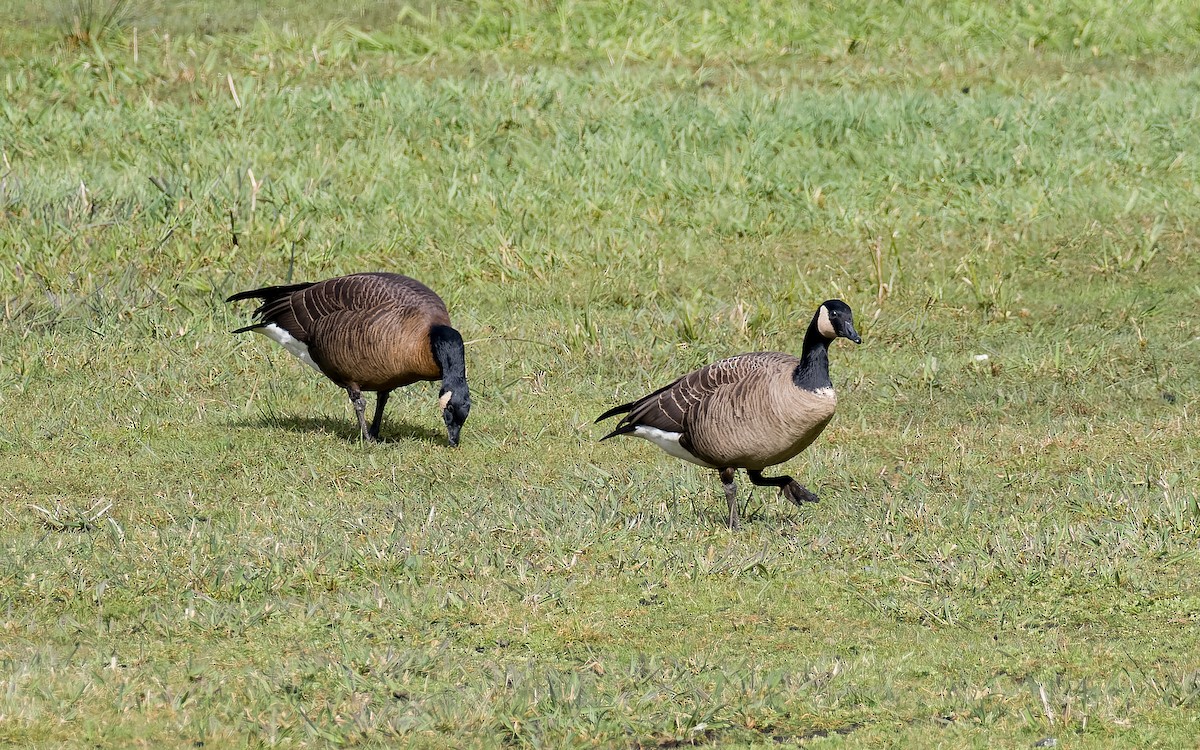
669,442
297,348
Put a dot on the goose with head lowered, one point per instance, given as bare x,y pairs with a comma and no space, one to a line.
369,332
747,412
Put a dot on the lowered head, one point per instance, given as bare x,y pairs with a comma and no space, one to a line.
456,405
455,398
834,319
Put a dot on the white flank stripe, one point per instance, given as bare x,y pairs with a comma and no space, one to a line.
298,348
669,442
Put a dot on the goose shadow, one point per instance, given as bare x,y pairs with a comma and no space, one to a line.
754,509
393,431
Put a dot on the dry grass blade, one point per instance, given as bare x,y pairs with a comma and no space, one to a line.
63,517
88,22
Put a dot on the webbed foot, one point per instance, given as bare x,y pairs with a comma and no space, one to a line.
798,493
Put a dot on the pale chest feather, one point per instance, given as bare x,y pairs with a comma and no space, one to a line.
803,414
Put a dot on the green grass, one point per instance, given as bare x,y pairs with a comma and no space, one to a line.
195,549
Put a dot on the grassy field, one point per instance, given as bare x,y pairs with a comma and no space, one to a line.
196,552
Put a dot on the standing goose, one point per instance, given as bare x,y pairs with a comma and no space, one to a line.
369,332
746,412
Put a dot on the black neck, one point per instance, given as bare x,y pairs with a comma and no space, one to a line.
450,355
813,371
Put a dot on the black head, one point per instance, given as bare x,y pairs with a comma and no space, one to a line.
834,319
456,405
448,351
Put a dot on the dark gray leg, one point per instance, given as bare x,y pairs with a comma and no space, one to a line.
360,408
731,496
380,401
789,488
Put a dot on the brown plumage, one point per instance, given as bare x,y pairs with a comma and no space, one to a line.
369,332
746,412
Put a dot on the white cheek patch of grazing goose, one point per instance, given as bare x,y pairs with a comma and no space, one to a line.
297,347
445,399
823,324
669,442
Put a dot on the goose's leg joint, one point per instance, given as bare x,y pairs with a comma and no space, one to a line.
731,496
788,487
360,409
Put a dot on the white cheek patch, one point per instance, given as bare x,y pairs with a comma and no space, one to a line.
669,442
445,399
823,324
297,348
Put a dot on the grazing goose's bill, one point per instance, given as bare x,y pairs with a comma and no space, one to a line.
746,412
369,332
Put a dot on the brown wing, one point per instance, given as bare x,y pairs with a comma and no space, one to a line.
672,407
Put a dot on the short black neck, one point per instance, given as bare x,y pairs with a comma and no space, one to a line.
812,373
449,353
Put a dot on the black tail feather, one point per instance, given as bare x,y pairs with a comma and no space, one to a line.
245,329
268,293
623,429
622,409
